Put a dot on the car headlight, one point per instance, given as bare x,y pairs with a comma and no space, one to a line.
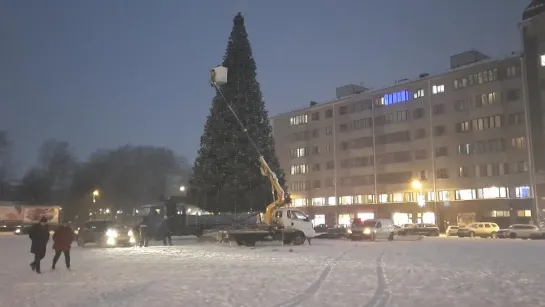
130,233
111,233
17,230
348,231
367,231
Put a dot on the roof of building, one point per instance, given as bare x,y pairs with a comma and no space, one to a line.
536,7
382,90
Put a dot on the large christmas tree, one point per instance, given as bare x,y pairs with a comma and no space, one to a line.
226,175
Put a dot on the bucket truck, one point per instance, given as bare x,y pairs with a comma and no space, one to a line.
281,223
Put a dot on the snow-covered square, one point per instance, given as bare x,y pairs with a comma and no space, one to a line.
431,272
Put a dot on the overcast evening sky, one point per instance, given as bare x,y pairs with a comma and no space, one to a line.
105,73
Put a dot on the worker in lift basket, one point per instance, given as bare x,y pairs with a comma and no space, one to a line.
144,232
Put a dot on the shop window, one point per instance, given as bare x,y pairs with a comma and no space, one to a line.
319,219
365,215
345,219
428,218
401,218
500,214
524,213
331,201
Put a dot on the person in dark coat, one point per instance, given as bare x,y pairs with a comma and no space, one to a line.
39,235
144,232
165,232
62,242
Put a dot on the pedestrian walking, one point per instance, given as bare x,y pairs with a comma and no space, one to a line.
39,235
62,242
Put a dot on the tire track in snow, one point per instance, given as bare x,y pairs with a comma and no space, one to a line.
382,295
314,287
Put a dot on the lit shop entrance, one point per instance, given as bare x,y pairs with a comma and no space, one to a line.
401,218
345,219
365,215
319,219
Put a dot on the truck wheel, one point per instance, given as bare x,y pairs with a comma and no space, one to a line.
391,237
298,239
513,235
287,241
199,232
240,243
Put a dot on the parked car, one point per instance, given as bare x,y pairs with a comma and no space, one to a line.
514,231
482,229
452,231
420,229
375,229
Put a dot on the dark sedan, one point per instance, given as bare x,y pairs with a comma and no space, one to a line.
105,234
429,230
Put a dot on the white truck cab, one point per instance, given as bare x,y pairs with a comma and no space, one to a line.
293,220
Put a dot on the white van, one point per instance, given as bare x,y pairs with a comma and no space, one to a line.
375,229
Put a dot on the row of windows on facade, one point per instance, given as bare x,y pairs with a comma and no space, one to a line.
402,197
478,147
405,95
474,148
403,115
477,124
473,171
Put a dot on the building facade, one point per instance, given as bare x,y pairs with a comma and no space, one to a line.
445,149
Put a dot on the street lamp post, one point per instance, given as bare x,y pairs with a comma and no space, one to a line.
96,194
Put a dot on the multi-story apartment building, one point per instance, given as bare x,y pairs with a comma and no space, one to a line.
463,145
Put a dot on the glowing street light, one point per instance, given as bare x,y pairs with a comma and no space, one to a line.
182,188
96,194
416,184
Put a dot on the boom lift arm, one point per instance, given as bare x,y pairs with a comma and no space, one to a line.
218,76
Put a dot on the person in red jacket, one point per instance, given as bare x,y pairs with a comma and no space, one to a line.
62,241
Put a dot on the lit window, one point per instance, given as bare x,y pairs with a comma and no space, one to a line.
431,196
396,97
419,93
331,201
518,142
436,89
364,199
299,152
346,200
318,201
493,192
299,169
299,202
522,192
299,120
444,195
383,198
398,197
543,60
467,194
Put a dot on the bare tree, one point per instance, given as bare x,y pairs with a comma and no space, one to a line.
58,162
5,161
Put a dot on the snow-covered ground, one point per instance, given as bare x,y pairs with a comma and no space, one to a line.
429,273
